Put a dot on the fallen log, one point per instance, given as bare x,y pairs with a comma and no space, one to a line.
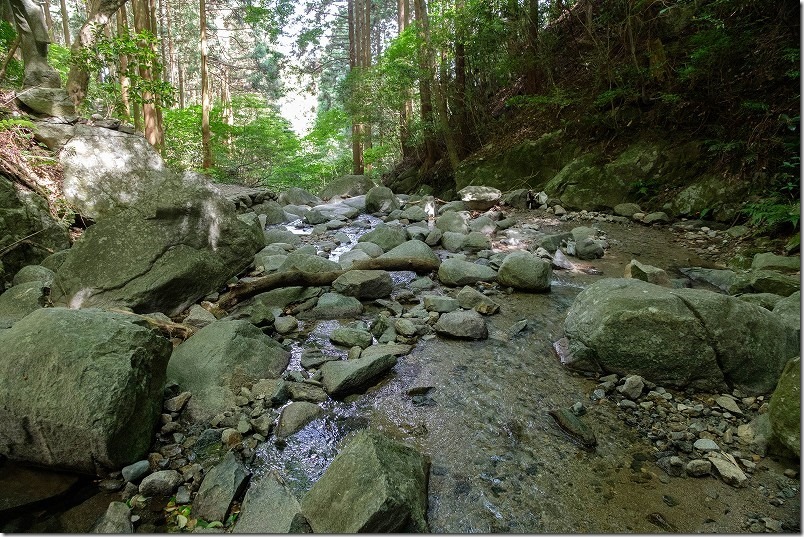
243,290
167,328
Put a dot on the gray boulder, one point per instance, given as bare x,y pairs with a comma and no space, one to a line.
380,199
116,519
347,186
302,262
412,250
374,485
22,299
453,242
28,232
678,337
47,101
785,407
347,259
470,298
463,324
298,196
280,236
270,507
221,358
364,284
627,209
525,271
79,388
456,272
789,309
295,416
274,213
334,306
220,486
161,484
343,377
779,263
386,237
646,273
163,254
479,198
106,171
351,337
456,222
34,273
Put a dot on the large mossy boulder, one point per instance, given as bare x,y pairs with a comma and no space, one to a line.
28,232
712,195
374,485
162,254
220,359
785,407
525,272
80,389
381,199
107,170
347,186
678,337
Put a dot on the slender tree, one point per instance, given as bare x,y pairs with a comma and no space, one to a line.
206,141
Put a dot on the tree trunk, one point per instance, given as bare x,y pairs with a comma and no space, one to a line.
65,23
406,111
206,142
354,22
78,77
142,21
425,85
125,82
48,18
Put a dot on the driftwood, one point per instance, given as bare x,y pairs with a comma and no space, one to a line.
243,290
167,328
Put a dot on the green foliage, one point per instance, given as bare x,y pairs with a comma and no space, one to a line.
12,123
559,98
774,213
14,69
140,51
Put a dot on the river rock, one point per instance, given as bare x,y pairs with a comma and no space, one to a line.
273,211
785,407
779,263
162,254
476,241
412,250
766,281
453,242
220,486
286,324
79,388
789,309
384,236
133,472
470,298
281,237
20,300
298,196
221,358
309,263
270,507
440,304
479,198
334,306
162,483
364,284
347,186
343,377
116,519
589,248
526,272
699,467
199,317
347,259
350,337
463,324
380,199
727,468
374,485
414,213
632,387
706,444
678,337
658,217
273,391
626,209
455,222
457,272
295,416
33,273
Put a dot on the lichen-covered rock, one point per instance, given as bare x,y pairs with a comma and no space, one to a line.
457,272
785,407
386,237
380,199
220,486
364,284
346,185
344,377
463,324
525,271
374,485
80,388
678,337
270,507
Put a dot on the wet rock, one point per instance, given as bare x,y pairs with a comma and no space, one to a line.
463,324
304,391
646,273
116,519
280,236
343,377
286,324
364,284
375,351
295,416
220,486
334,306
270,507
380,199
231,437
678,337
133,472
785,407
274,391
88,393
453,242
312,263
374,485
162,483
350,337
386,237
471,298
476,241
348,259
219,359
524,271
456,272
571,424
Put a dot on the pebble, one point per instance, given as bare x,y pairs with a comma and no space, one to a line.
699,467
706,444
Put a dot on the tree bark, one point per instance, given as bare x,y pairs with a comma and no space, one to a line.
206,138
425,85
125,82
406,111
65,23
